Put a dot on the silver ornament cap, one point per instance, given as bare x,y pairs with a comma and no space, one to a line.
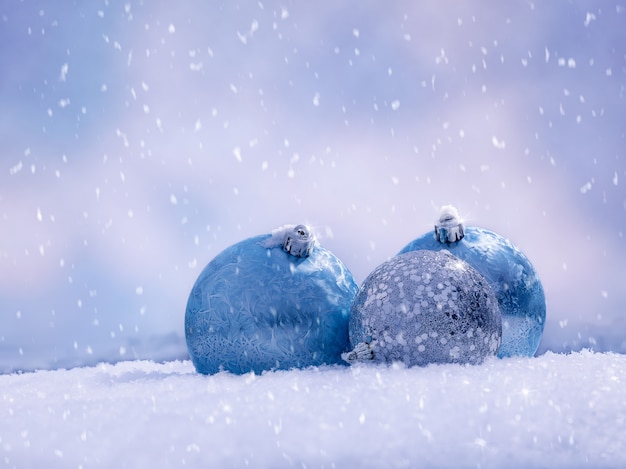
449,228
299,241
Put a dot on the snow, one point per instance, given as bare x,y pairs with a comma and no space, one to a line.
555,410
138,141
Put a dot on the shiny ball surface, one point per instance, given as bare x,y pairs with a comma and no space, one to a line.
257,308
424,307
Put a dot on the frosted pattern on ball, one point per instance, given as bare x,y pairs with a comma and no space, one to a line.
425,307
256,308
511,276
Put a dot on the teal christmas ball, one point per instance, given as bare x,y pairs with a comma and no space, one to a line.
511,275
275,301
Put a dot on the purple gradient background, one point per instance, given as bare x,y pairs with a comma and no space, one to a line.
139,139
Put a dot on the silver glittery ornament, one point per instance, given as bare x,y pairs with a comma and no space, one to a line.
424,307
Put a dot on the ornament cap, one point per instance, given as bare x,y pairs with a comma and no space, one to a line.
362,352
299,241
449,228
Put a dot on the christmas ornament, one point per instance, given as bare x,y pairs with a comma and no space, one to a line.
274,301
424,307
509,272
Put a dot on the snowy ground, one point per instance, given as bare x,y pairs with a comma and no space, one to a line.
551,411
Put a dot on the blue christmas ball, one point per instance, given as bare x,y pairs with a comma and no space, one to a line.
424,307
509,272
275,301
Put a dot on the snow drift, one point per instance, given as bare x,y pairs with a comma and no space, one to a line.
552,411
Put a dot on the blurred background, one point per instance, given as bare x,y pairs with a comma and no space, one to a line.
139,139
